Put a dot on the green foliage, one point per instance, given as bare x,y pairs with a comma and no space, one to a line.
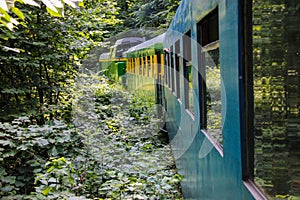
138,14
25,149
42,158
140,108
40,60
54,8
119,159
137,163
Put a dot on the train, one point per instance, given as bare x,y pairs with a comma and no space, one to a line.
225,77
113,61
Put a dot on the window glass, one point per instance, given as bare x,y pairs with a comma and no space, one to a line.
210,75
149,73
276,77
190,94
132,65
167,65
145,70
141,66
187,72
213,93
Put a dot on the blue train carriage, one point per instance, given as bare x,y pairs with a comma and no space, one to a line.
145,69
206,91
113,61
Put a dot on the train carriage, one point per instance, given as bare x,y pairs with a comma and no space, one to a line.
226,78
206,101
145,69
113,62
231,119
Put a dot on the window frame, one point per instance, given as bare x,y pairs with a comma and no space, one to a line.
187,63
208,38
177,68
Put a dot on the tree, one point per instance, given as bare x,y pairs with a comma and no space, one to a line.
39,60
54,7
141,14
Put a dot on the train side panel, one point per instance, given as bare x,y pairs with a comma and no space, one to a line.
210,170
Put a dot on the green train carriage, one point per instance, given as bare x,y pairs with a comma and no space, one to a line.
113,62
145,69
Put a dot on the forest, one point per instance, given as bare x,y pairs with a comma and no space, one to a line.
45,48
41,56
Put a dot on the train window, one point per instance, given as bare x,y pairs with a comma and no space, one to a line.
149,66
172,80
151,69
141,66
156,65
167,61
177,67
276,85
133,65
136,64
187,72
145,66
160,64
210,75
169,69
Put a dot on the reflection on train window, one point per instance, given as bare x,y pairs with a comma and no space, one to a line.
276,77
177,67
210,75
213,94
187,72
190,82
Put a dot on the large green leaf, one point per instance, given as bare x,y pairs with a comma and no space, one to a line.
9,179
46,191
7,143
9,153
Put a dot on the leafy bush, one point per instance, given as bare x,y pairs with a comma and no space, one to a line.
44,160
119,157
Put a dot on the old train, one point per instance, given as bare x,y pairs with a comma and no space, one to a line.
226,78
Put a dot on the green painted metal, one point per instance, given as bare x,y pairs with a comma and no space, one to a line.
121,68
148,48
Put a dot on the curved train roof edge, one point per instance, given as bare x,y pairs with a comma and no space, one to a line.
148,47
188,12
130,40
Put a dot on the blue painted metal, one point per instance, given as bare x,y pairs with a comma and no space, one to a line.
209,172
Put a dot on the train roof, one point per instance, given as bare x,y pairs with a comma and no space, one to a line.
104,55
188,13
129,40
150,47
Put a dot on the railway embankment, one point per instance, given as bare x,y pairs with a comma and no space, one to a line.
112,149
136,157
